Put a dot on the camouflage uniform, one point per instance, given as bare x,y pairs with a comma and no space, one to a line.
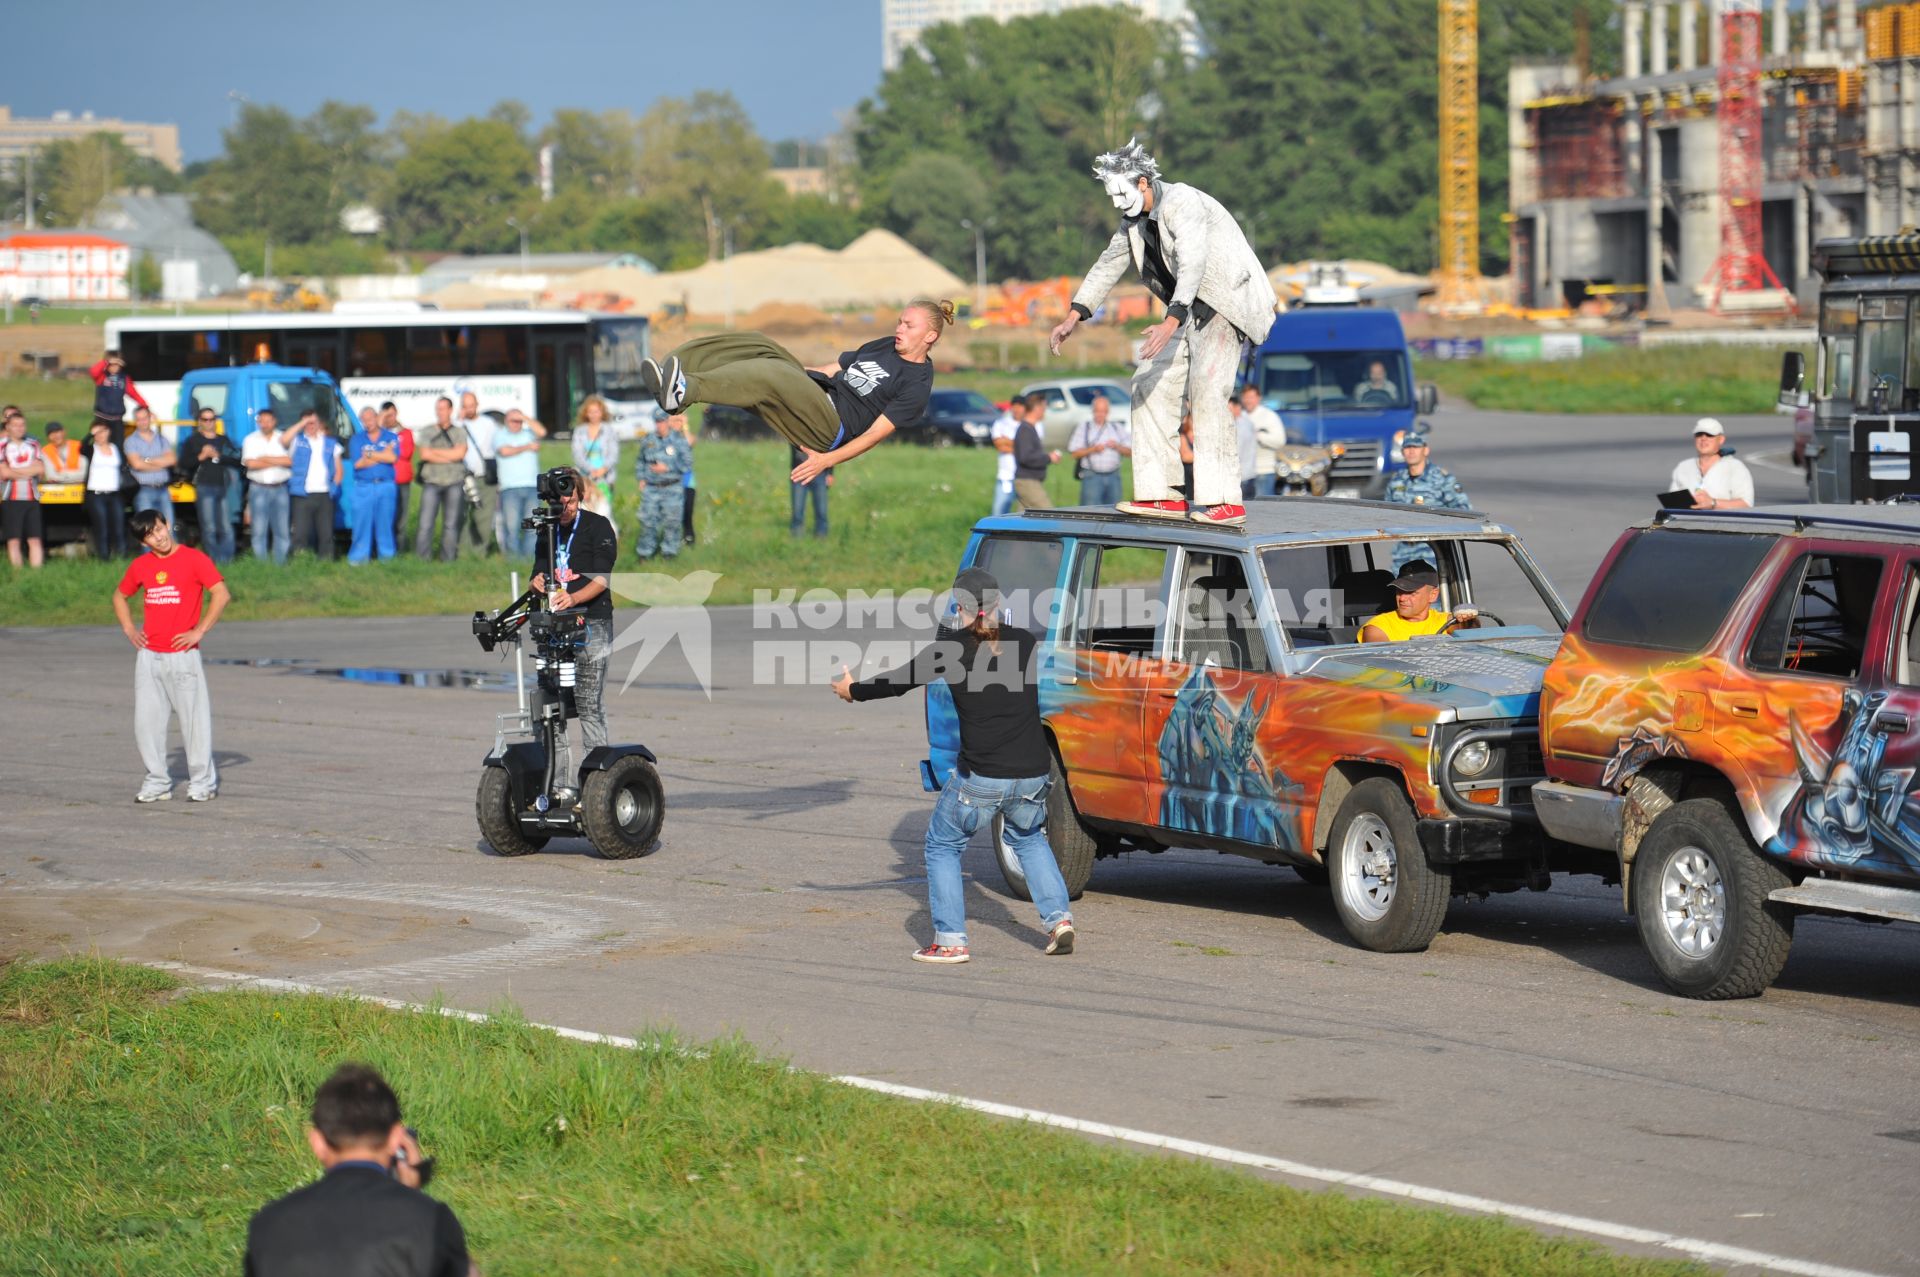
1434,487
662,494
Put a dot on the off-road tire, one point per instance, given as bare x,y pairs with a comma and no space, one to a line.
622,808
1402,913
1700,840
1074,846
493,806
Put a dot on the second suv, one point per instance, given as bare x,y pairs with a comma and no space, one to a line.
1733,717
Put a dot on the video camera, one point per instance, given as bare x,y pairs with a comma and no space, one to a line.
552,487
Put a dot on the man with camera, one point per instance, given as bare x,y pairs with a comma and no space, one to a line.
366,1215
573,556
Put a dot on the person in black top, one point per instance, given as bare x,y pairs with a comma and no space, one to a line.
832,413
585,550
1005,765
212,464
366,1217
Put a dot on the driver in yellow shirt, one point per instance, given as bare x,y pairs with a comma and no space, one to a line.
1415,591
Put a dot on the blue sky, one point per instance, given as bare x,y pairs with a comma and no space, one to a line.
794,64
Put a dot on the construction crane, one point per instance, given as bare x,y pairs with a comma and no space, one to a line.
1459,257
1742,264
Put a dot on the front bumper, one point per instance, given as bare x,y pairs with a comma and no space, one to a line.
1460,841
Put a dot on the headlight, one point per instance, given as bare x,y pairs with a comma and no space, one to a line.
1398,437
977,429
1472,758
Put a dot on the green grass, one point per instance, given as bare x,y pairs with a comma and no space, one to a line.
79,314
67,399
1680,380
898,516
145,1124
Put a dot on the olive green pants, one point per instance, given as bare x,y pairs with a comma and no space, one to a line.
751,371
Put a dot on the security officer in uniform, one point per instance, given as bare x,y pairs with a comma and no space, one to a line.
665,457
1423,483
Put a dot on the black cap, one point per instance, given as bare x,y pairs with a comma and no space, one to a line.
1416,575
54,425
975,591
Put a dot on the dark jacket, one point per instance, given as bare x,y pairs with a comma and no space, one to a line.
994,695
1030,456
356,1221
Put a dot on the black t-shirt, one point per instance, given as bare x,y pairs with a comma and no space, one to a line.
874,380
998,703
357,1221
587,547
210,474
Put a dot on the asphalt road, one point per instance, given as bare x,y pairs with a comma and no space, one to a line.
1529,1056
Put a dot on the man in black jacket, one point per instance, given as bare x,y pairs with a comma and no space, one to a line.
366,1217
1031,458
212,464
576,576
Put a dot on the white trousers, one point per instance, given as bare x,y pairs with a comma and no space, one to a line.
1195,368
172,684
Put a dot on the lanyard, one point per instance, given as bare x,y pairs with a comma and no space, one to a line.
563,554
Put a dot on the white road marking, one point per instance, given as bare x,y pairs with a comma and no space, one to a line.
1693,1247
1781,461
555,932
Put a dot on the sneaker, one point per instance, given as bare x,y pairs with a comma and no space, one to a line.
1061,941
203,798
1226,516
947,953
673,385
144,796
651,379
1158,509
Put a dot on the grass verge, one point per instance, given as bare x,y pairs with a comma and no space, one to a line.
147,1123
1680,380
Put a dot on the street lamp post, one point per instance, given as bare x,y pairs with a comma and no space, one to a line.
525,268
979,230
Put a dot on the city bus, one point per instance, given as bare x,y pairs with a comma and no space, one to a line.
541,361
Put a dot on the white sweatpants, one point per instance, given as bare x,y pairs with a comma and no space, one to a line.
172,684
1196,368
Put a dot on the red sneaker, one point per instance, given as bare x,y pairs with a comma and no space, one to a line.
1158,509
944,953
1226,516
1060,940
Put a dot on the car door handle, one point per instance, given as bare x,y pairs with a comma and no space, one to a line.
1742,705
1890,722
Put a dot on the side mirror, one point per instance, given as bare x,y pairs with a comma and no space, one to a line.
1429,398
1793,374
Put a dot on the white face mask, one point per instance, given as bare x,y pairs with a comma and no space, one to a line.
1126,195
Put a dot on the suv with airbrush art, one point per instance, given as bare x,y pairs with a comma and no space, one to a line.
1205,687
1731,717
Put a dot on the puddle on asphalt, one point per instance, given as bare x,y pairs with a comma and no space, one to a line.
465,680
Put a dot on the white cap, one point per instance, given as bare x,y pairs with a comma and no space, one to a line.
1708,426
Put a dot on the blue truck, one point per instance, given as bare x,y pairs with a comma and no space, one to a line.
1340,378
236,395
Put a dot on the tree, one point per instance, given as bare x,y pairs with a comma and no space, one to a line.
928,198
592,151
705,148
456,186
147,280
274,180
356,155
78,174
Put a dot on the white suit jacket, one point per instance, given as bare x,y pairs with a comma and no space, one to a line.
1209,257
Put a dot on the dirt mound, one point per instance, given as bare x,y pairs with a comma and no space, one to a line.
787,317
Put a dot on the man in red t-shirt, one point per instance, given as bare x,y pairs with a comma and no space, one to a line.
168,679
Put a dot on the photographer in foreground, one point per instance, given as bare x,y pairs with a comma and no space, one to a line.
366,1214
571,564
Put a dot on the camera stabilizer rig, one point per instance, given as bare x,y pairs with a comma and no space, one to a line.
619,804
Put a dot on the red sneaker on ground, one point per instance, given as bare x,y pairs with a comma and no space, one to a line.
1158,509
946,953
1060,941
1226,516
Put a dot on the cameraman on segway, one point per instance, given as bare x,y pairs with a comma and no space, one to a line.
585,549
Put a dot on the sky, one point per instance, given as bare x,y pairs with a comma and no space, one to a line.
795,65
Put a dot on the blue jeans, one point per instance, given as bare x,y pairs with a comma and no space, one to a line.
372,522
1100,489
816,488
270,505
216,527
1002,496
967,804
154,497
515,504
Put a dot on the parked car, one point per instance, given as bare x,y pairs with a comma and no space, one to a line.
721,421
1070,402
1204,687
1732,716
963,417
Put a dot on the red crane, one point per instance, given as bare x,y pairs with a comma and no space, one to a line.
1742,264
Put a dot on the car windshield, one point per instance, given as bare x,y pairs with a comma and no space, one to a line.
1324,595
957,401
619,345
1336,380
290,399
